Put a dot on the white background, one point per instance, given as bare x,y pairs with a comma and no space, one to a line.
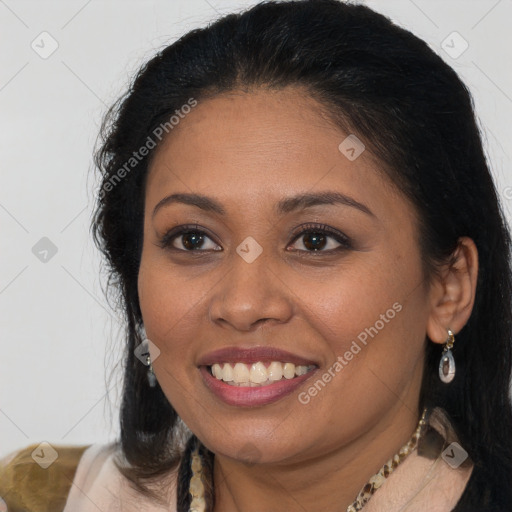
60,340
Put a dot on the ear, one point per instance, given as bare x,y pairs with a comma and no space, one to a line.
452,292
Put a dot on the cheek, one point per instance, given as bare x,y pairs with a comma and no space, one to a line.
375,312
349,299
168,304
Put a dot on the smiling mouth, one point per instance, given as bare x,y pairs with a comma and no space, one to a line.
257,374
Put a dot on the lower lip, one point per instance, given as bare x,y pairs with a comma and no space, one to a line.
252,397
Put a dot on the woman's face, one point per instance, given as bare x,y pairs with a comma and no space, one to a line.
347,301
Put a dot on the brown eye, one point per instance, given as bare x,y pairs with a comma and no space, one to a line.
187,239
315,241
192,240
321,239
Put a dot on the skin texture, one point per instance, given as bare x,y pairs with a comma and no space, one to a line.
248,150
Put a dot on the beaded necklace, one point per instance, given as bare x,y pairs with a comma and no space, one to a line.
196,487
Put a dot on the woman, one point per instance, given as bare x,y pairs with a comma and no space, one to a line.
314,268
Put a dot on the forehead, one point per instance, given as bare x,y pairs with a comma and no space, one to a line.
261,144
251,125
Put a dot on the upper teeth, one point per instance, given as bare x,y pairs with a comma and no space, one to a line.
257,373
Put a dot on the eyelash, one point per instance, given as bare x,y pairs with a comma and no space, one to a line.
167,239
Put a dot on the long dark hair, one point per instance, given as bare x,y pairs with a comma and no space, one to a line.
415,115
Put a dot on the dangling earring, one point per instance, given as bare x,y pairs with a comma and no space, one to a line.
447,363
143,350
151,374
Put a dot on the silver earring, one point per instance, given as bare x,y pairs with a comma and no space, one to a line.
447,363
143,350
151,374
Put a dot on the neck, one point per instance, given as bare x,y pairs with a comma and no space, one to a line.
327,482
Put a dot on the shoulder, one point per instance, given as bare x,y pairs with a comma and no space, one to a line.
39,476
433,477
99,484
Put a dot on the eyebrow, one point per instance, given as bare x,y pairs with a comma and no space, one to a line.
287,205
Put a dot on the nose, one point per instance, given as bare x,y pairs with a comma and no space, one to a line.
250,294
